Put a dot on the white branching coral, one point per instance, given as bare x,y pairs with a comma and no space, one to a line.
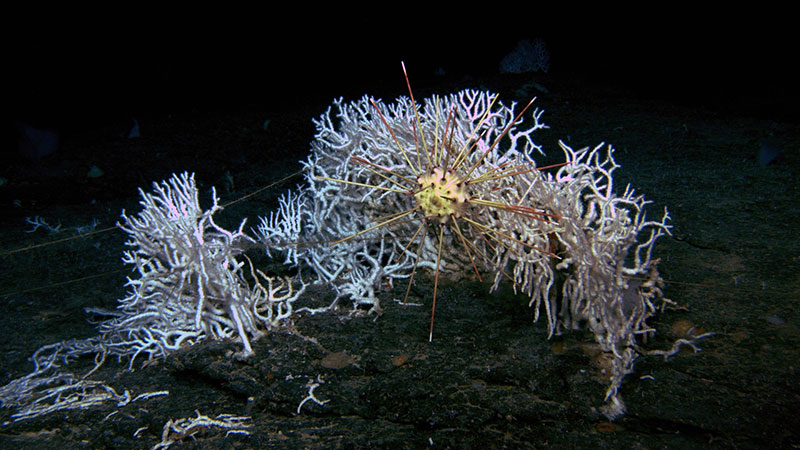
175,431
605,277
191,284
49,388
381,176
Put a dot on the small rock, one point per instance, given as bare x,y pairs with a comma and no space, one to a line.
337,360
775,320
400,359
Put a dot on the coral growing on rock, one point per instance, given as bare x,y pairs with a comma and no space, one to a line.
451,184
191,282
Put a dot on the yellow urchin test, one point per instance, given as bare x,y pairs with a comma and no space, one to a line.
441,195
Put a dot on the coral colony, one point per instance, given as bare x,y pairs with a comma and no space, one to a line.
190,285
448,184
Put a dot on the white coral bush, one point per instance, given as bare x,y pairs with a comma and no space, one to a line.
191,282
606,278
189,285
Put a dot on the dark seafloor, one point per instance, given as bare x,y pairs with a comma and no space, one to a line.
490,378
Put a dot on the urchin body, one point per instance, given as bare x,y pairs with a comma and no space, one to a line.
441,195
